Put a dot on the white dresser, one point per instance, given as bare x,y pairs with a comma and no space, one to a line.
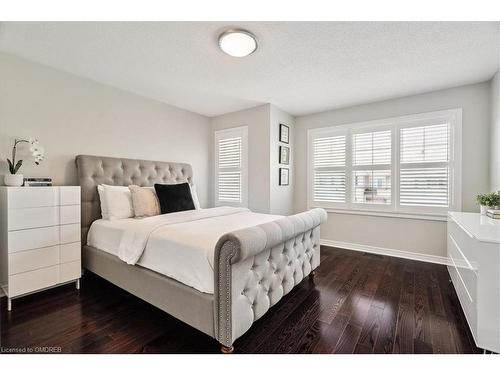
474,266
39,238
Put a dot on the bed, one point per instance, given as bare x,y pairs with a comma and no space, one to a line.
217,269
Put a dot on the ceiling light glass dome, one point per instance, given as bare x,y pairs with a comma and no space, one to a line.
237,42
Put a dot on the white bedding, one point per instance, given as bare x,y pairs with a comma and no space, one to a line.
179,245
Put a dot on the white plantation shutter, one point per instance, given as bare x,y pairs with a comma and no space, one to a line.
329,152
230,152
329,158
409,165
425,144
230,170
371,167
231,166
372,148
424,166
329,186
424,187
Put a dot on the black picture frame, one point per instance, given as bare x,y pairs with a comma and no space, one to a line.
284,179
284,134
284,157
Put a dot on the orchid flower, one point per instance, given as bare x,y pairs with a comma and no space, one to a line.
37,151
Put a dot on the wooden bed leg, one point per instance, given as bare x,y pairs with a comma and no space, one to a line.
311,275
227,349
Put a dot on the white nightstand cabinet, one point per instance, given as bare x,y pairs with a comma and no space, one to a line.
40,243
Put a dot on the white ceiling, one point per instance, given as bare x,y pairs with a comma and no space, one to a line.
302,67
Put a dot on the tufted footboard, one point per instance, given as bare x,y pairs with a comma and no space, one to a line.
255,267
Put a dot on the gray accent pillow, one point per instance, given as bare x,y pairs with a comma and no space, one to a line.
145,201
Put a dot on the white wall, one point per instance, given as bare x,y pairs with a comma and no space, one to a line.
495,133
257,120
410,235
281,197
71,116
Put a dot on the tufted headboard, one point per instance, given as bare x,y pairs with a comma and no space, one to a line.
95,170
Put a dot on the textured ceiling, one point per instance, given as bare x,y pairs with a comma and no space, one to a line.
302,67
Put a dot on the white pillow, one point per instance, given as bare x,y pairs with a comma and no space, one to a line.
194,196
118,202
145,201
102,198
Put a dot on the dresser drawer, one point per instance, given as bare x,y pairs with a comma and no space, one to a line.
33,280
20,240
70,252
69,195
26,197
465,270
25,218
70,271
30,260
70,214
70,233
468,245
468,305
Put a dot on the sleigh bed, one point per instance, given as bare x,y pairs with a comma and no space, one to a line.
248,270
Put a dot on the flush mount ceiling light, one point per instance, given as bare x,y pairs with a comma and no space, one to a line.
237,42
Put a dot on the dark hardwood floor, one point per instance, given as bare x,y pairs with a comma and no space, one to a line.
359,303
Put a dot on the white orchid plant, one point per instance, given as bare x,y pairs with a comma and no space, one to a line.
36,150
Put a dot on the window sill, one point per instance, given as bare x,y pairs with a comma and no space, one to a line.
414,216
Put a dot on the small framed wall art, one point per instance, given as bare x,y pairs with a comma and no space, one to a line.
284,133
284,155
284,176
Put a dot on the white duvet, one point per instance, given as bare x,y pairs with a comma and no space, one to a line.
179,245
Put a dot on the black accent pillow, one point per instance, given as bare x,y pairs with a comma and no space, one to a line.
174,198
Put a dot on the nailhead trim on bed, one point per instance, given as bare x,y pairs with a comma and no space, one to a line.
250,261
225,303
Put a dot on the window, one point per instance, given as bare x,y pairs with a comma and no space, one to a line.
424,172
231,166
406,165
329,169
371,164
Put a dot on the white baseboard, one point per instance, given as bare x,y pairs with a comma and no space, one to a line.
384,251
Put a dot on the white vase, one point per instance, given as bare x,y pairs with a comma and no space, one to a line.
484,209
13,180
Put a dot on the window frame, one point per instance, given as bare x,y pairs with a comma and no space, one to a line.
451,116
220,134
